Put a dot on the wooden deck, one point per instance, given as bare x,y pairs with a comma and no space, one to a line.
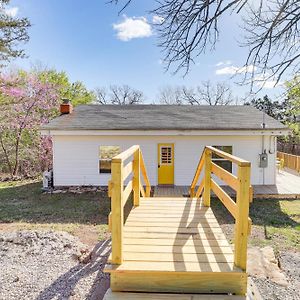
175,244
287,186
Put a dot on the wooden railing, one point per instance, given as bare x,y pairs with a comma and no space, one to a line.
135,173
239,208
290,161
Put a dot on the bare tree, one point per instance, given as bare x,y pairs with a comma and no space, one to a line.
272,31
118,95
101,95
171,95
219,94
206,93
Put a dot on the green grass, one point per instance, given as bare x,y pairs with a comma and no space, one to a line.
24,204
274,222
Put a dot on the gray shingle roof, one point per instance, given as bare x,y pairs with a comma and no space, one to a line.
163,117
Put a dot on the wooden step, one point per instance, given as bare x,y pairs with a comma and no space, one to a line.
155,296
179,282
251,294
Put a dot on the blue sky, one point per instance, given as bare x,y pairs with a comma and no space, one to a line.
93,44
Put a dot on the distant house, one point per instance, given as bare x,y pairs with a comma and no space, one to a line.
171,138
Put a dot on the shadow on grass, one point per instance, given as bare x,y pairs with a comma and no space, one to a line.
27,203
263,212
64,286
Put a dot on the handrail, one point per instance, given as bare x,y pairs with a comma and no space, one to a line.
120,194
126,154
239,209
232,158
145,177
197,175
290,161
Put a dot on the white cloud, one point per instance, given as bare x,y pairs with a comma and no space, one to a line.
231,70
12,11
133,28
157,19
222,63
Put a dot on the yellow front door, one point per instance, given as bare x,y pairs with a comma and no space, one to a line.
165,163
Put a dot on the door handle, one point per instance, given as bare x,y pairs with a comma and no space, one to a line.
158,166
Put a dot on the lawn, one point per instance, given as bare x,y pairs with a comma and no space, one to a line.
24,206
275,222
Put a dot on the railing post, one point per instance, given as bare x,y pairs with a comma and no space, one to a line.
192,192
136,177
242,223
117,216
207,177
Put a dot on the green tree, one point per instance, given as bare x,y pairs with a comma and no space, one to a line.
293,97
293,94
74,91
278,110
29,99
13,31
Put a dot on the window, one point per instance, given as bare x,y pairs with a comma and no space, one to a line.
222,162
106,153
166,155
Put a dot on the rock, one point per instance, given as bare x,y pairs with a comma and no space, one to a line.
57,191
85,258
263,264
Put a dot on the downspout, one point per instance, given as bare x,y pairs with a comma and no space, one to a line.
262,151
270,145
263,140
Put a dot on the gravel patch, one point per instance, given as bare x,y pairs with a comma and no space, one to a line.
289,262
51,265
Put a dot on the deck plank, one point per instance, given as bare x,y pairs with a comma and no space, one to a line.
177,249
181,266
190,242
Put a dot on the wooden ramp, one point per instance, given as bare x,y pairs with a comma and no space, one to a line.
175,244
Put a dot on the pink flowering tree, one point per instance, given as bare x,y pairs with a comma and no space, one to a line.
26,102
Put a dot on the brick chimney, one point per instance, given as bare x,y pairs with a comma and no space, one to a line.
66,107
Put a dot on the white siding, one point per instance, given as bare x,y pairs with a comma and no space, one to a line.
76,157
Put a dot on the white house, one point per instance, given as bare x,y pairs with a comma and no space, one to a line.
171,138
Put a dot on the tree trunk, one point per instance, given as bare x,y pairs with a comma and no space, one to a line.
16,167
6,157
